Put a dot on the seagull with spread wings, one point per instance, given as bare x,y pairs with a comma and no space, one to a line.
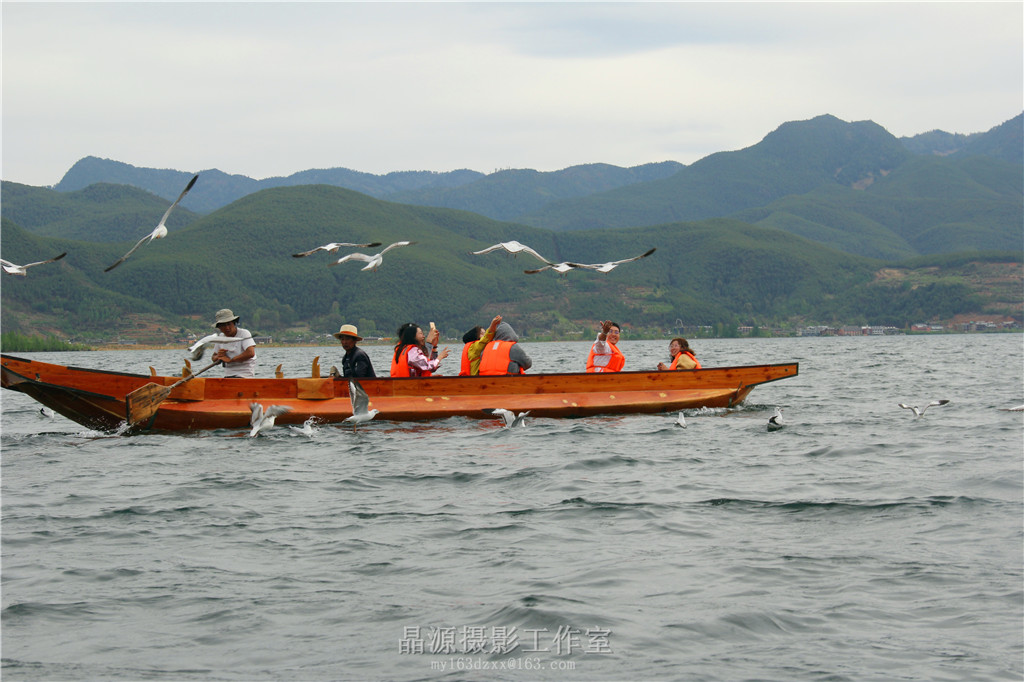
334,246
361,411
611,265
510,418
13,269
262,420
513,247
374,261
160,231
919,411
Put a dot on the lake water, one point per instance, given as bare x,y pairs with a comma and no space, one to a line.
857,543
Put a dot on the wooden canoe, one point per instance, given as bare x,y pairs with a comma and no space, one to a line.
96,399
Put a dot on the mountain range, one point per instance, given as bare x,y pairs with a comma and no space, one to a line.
795,228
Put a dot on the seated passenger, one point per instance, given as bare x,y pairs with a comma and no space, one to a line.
504,355
605,355
475,340
682,356
412,358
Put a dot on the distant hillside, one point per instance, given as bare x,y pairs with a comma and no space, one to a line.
1005,141
708,272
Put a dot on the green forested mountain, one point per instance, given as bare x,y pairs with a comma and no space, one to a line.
704,272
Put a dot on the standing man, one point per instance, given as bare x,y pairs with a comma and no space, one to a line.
238,356
605,355
356,362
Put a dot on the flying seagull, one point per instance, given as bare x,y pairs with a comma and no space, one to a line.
334,246
560,268
262,420
361,411
512,419
373,262
681,420
512,247
919,411
611,265
197,349
12,269
160,230
775,421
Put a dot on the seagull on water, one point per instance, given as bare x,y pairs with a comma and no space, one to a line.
46,412
307,427
681,420
13,269
512,419
361,411
197,349
514,248
160,231
262,420
919,411
334,246
611,265
775,421
373,262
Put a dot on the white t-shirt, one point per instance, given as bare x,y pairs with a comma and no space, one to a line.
245,369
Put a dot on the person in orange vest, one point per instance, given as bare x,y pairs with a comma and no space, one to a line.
412,357
605,355
682,356
475,340
504,355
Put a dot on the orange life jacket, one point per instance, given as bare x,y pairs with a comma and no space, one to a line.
615,362
464,371
693,357
495,358
400,367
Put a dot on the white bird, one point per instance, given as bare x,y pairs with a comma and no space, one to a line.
775,421
13,269
334,246
374,261
512,419
512,247
919,411
560,268
681,420
46,412
611,265
307,427
160,231
361,411
262,420
1019,408
197,349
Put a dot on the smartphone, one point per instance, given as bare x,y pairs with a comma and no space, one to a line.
432,327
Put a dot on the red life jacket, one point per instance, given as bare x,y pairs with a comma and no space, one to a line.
690,354
400,367
615,362
464,371
495,358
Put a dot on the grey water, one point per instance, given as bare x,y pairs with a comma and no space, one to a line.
857,543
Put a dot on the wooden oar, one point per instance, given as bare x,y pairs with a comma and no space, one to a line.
142,403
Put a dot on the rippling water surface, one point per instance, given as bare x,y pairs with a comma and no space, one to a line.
857,543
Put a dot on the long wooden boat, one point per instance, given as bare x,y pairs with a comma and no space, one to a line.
97,399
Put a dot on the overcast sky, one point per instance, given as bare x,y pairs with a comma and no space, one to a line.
265,89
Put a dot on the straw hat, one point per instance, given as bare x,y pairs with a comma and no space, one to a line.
348,330
224,315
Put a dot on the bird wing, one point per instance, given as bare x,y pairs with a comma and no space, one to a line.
394,246
178,200
135,248
360,401
354,256
611,265
257,414
520,419
277,410
311,251
513,247
934,403
507,416
487,250
44,262
534,272
910,407
7,263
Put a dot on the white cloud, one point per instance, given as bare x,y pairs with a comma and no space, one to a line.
266,89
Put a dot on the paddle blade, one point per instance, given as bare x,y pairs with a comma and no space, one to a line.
142,403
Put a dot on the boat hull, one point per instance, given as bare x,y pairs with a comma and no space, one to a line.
96,399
